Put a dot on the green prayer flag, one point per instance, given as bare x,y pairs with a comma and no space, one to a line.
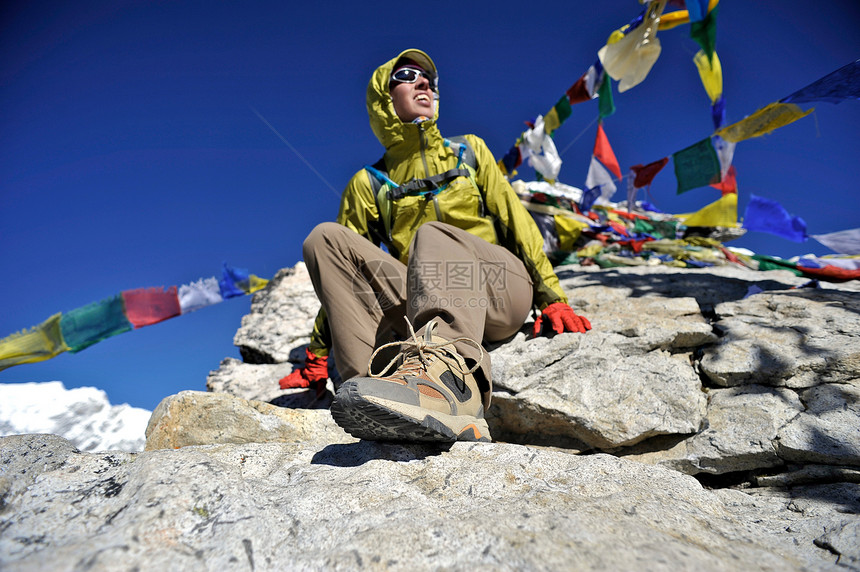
563,108
772,263
696,166
656,228
606,106
705,33
82,327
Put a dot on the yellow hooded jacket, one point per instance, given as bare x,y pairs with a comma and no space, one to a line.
417,151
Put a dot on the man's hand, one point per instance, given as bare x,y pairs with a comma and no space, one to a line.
560,318
314,371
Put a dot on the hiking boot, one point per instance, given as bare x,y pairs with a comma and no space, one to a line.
431,396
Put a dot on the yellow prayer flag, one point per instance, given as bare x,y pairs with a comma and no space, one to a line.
40,343
723,212
763,121
253,284
711,73
257,283
551,121
568,231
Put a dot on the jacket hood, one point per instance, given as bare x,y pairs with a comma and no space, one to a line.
387,127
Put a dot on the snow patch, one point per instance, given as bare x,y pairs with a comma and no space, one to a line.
83,415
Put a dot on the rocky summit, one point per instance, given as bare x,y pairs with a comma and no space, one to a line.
710,420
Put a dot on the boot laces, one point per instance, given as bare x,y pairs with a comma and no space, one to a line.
417,353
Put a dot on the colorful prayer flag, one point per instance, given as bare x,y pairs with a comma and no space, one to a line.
199,294
629,59
589,196
646,173
254,284
697,9
696,166
511,160
83,327
605,105
842,84
704,32
604,153
725,153
729,184
831,273
543,156
37,344
642,176
587,86
551,121
147,306
679,17
568,231
598,176
562,108
711,74
722,212
765,215
718,112
843,242
238,282
763,121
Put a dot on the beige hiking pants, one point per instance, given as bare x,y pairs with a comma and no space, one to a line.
475,289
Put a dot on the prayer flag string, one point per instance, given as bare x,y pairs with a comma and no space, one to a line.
131,309
627,57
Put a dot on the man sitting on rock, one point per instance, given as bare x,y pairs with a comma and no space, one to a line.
464,264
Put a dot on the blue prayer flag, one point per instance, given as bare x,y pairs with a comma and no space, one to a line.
588,198
718,112
697,9
844,83
765,215
229,283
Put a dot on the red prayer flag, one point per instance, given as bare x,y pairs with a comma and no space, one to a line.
603,152
729,184
578,92
646,173
147,306
830,273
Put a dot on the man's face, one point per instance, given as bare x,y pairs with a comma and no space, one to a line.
412,100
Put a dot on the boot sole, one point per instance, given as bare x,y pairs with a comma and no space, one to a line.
365,418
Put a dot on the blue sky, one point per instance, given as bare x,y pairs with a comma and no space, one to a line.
131,156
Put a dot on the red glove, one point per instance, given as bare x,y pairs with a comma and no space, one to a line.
560,318
314,372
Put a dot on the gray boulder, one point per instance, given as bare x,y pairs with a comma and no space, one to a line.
828,431
797,339
742,425
201,418
593,393
281,319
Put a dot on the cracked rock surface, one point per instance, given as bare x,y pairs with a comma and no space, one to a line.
316,506
698,425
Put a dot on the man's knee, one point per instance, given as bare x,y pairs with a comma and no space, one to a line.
434,233
320,236
434,227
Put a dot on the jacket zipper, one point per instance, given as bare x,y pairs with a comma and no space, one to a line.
427,169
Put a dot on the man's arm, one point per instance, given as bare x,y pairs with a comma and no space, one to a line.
516,227
519,234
